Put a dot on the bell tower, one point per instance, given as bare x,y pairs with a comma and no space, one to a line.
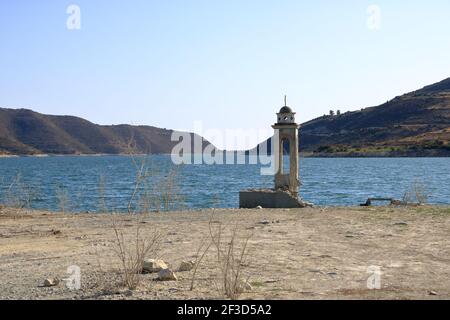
286,133
285,193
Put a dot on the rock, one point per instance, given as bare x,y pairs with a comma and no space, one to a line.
315,271
400,223
432,293
167,275
128,293
51,282
264,222
55,232
186,266
244,286
152,265
259,207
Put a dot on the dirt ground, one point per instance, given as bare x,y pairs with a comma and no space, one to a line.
315,253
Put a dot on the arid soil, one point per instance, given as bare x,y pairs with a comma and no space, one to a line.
316,253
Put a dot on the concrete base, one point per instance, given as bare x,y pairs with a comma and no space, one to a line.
268,198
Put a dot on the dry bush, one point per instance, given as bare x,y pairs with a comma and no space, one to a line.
232,259
416,194
169,190
205,245
155,191
142,173
132,250
19,195
152,190
101,195
420,192
63,197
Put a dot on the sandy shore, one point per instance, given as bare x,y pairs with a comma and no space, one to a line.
317,253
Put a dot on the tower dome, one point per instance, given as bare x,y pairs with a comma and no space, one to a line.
286,109
286,115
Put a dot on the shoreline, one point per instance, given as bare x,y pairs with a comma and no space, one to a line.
311,155
293,253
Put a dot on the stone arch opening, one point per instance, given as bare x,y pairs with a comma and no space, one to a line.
286,156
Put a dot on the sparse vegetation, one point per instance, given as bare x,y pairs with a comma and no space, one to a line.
331,149
20,195
205,245
153,190
232,258
132,251
101,195
63,197
416,194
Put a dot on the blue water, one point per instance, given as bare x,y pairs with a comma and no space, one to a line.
327,182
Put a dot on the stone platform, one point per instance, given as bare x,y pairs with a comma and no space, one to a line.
269,198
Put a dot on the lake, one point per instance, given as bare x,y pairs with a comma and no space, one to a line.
91,183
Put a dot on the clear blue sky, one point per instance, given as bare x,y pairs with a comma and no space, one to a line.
226,63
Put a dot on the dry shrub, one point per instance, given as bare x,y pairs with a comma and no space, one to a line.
153,190
131,251
141,167
232,259
168,190
101,195
63,197
205,245
416,194
19,195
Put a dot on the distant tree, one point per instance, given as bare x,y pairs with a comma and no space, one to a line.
331,113
338,112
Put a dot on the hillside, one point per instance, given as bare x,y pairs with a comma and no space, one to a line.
414,124
25,132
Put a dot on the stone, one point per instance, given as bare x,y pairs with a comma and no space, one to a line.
167,275
128,293
270,198
186,266
432,293
153,265
51,282
264,222
259,207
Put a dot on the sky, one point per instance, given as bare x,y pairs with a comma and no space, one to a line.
224,64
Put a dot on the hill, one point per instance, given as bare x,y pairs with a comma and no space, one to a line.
25,132
414,124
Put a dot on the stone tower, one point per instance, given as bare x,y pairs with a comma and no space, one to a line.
285,193
286,133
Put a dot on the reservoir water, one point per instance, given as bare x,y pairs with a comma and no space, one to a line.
89,183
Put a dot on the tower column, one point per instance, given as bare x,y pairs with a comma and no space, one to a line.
287,128
285,193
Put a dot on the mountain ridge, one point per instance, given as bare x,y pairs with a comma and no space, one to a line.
413,124
26,132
